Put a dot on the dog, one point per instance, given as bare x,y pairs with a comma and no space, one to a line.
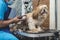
34,19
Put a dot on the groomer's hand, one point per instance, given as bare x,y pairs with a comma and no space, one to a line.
16,19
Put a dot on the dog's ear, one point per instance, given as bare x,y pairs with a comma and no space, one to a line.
35,14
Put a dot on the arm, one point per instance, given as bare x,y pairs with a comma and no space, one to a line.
5,23
2,12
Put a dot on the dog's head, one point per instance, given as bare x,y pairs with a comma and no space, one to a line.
41,10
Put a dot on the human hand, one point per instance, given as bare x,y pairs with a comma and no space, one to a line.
16,19
24,17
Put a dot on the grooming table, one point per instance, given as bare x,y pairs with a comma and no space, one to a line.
37,36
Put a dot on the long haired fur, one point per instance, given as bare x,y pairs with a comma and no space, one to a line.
35,19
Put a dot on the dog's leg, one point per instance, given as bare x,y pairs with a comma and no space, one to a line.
31,24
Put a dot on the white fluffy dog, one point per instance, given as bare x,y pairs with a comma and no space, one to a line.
36,18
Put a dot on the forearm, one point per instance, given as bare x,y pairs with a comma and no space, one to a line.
5,23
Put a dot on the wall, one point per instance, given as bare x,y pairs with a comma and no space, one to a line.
58,14
52,14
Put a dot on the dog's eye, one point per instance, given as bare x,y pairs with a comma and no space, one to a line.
36,26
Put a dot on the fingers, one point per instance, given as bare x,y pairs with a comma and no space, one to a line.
22,18
19,17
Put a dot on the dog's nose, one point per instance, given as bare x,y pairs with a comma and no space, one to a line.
44,10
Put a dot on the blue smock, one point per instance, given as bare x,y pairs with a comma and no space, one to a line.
4,32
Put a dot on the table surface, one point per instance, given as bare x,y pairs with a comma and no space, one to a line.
41,34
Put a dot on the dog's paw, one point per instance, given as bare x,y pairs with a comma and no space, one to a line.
35,30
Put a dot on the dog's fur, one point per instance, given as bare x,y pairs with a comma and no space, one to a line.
36,18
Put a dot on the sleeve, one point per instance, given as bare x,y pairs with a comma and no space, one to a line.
2,11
